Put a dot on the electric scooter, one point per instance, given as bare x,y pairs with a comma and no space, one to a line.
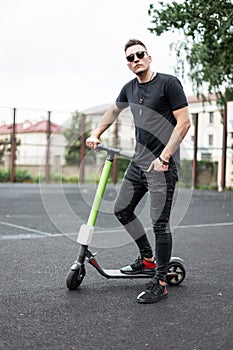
176,270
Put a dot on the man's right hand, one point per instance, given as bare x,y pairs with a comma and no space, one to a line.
92,142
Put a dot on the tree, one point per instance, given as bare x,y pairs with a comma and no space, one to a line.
208,40
73,136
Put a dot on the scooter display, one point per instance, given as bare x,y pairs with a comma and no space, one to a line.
76,274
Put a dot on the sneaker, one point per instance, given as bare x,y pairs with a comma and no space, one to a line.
140,266
153,293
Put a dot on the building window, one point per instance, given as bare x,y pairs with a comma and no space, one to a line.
205,156
211,117
211,140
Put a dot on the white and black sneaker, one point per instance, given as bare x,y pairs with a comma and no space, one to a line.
140,266
154,292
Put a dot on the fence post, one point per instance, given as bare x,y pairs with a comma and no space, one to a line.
115,145
47,162
194,167
82,149
224,150
13,148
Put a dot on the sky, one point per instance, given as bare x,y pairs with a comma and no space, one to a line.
67,55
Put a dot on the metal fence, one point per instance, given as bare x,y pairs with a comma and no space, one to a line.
33,140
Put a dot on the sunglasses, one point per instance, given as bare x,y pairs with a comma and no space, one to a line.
139,54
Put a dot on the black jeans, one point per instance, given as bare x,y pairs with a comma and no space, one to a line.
161,187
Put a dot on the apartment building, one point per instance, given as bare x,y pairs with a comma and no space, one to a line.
209,136
31,138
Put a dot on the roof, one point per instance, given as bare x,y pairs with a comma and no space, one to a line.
199,99
28,127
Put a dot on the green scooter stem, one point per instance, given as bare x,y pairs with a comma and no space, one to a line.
100,191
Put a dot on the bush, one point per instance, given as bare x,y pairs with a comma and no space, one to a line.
58,178
212,186
73,179
205,165
40,178
54,178
122,166
4,175
22,176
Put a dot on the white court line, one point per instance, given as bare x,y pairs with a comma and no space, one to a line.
173,228
205,225
26,228
46,234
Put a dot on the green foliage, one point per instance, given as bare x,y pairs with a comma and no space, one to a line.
4,175
22,176
208,40
73,179
1,155
212,186
73,136
39,178
122,166
54,178
205,165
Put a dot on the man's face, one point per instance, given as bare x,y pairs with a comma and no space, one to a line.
138,64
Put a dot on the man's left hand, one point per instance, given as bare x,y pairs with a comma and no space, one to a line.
157,165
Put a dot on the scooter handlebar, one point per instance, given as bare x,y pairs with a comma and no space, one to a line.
118,151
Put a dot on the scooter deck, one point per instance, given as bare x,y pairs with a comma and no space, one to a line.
119,274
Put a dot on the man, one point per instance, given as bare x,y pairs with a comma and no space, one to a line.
161,119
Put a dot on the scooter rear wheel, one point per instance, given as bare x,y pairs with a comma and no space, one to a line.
176,273
75,278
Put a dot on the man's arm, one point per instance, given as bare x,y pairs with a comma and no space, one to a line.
108,119
178,134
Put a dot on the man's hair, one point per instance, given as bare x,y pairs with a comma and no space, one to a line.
133,42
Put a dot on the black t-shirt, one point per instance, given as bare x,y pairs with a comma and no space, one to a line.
153,119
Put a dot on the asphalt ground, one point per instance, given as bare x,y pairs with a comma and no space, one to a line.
38,229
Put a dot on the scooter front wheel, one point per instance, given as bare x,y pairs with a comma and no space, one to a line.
176,273
75,278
